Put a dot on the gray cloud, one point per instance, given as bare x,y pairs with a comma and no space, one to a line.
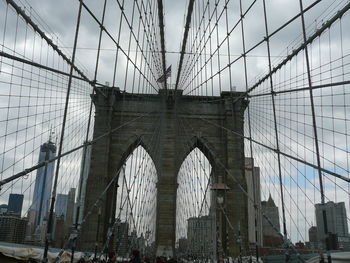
293,113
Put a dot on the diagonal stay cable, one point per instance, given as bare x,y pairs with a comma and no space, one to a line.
42,164
138,171
282,153
250,199
117,44
318,32
205,173
100,197
146,27
112,228
29,21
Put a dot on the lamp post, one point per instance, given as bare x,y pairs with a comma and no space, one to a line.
219,189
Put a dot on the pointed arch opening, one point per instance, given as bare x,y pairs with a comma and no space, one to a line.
136,203
195,215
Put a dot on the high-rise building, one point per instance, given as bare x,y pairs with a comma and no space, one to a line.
270,209
313,237
43,182
12,229
336,222
31,225
84,173
3,209
141,244
121,238
252,175
271,227
60,233
183,246
15,204
200,236
70,207
61,205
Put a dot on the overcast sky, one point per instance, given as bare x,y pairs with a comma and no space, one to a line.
58,20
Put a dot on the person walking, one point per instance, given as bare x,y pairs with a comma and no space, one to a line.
135,256
112,257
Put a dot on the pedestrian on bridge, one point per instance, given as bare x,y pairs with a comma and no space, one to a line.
135,256
112,257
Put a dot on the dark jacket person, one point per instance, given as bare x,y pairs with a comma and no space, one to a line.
112,257
135,256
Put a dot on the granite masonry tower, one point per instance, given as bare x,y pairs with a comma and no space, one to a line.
213,124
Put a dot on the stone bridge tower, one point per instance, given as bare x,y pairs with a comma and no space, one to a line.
185,122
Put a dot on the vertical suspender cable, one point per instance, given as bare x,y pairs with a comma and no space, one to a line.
314,126
117,52
250,136
85,149
53,197
161,27
275,127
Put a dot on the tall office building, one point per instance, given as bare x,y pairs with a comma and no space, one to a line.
61,205
183,246
31,225
252,175
12,229
84,173
121,238
313,237
15,204
271,211
271,237
336,222
43,182
3,209
200,236
70,207
60,234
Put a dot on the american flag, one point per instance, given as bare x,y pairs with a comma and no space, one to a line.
166,75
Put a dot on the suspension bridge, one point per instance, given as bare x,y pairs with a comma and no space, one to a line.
209,130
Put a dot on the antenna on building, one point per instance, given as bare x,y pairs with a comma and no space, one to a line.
51,134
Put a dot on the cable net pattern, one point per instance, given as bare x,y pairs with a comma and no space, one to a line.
293,69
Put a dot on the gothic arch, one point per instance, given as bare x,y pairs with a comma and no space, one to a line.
150,121
203,145
134,142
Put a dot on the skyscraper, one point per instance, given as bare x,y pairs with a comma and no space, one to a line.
3,209
12,228
84,173
252,175
121,239
61,205
271,237
336,222
15,204
43,182
200,233
271,211
70,207
313,237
